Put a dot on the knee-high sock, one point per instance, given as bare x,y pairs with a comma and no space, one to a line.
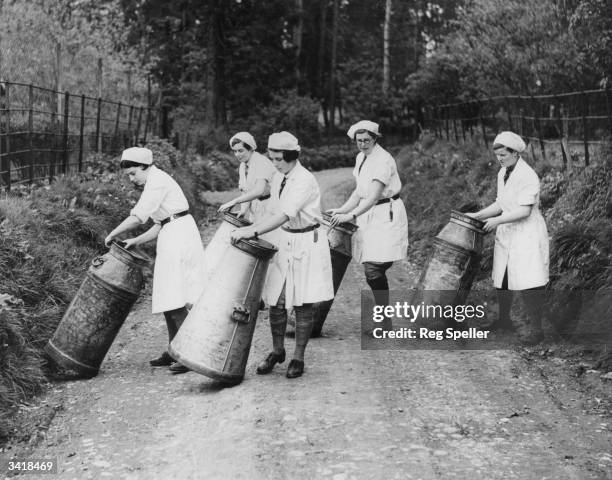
278,326
303,328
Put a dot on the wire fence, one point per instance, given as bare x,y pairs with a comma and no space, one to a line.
44,132
566,129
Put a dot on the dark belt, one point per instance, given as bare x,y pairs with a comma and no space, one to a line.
301,230
263,197
387,200
174,216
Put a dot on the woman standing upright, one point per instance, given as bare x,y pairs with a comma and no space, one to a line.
375,204
520,257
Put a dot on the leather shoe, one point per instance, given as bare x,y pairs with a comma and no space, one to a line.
295,368
178,368
268,364
164,360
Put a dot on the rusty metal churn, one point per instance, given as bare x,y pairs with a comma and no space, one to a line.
221,241
452,266
216,336
95,315
339,239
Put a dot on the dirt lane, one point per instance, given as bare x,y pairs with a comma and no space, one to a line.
353,415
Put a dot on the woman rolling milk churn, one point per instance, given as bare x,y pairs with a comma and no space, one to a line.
178,277
302,273
520,256
375,204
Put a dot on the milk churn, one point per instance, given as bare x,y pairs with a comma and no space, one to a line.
452,266
339,239
216,336
95,315
221,240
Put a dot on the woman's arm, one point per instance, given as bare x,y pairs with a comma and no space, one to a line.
128,224
150,234
491,211
257,191
515,215
271,222
351,203
374,193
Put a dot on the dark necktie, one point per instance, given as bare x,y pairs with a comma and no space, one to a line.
361,164
508,172
282,186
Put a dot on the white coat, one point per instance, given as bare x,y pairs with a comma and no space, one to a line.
379,237
522,246
178,276
258,167
303,262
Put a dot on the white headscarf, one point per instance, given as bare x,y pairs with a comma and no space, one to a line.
283,141
138,155
246,138
363,125
510,140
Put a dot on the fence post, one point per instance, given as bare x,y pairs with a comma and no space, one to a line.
6,159
130,115
536,120
481,105
138,123
508,107
455,129
116,134
165,129
31,129
446,127
98,133
564,151
66,113
146,128
585,133
81,131
608,107
522,115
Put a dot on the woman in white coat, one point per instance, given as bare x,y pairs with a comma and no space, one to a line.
303,274
520,258
178,276
375,204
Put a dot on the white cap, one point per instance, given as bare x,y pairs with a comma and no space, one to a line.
138,155
283,141
246,138
363,125
510,140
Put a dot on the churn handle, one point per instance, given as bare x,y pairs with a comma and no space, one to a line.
98,261
241,313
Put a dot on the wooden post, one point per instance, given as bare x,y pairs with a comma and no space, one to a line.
508,107
130,116
98,133
66,113
81,131
116,133
455,130
562,141
482,124
446,126
6,158
585,133
536,120
31,129
138,124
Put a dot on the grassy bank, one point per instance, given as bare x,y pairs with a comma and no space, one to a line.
49,234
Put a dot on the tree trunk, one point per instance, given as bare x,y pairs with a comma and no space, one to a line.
215,69
321,59
386,68
332,73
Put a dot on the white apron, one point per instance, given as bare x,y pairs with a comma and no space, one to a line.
520,247
379,237
178,276
303,262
